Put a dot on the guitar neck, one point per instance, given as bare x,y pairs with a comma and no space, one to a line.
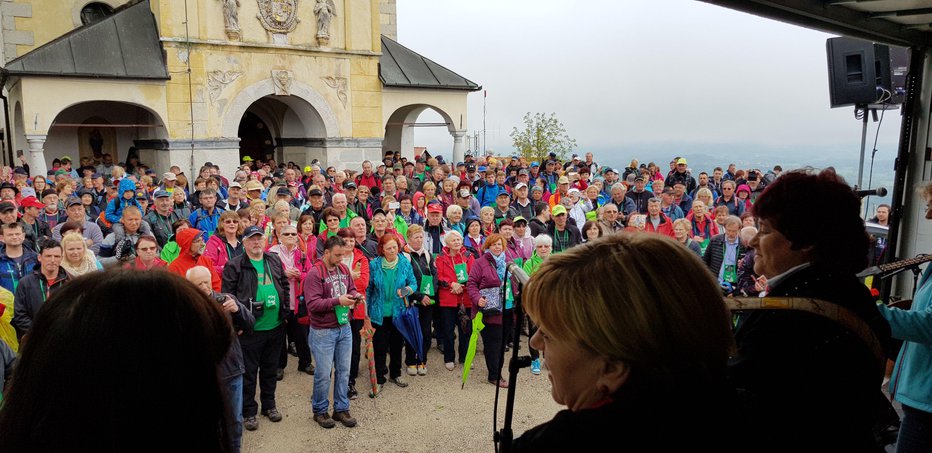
897,265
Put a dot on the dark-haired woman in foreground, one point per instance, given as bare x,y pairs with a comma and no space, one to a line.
796,366
110,359
639,366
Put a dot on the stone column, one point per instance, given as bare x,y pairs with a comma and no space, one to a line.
37,165
459,146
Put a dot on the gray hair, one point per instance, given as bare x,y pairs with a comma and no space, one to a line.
336,196
542,239
747,233
196,270
619,186
453,208
449,234
732,220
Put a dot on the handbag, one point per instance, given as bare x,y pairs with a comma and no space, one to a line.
493,300
464,320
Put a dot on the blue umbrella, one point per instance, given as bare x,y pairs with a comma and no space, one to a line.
410,328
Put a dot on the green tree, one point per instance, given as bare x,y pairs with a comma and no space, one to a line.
541,135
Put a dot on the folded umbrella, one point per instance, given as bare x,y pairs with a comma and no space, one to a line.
477,325
368,332
409,326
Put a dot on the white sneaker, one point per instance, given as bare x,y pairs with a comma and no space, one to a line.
412,370
422,370
450,366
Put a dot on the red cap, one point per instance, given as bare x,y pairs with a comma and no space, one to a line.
31,202
435,207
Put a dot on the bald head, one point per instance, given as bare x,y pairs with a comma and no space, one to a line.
200,276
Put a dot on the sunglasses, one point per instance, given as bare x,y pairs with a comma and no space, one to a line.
289,234
230,222
147,249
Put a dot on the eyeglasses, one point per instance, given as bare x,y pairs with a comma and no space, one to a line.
147,249
289,234
230,222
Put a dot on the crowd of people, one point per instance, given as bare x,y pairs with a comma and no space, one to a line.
302,260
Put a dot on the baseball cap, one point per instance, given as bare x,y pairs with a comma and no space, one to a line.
251,231
464,193
48,192
27,192
435,207
398,166
308,169
482,168
20,171
608,169
7,206
535,164
520,185
169,176
65,158
96,175
235,184
349,184
681,161
668,190
558,210
523,171
283,191
537,189
639,178
315,192
72,201
377,211
247,159
163,193
502,194
563,180
519,219
31,202
141,196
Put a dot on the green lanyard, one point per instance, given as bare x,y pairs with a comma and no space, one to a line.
562,242
45,291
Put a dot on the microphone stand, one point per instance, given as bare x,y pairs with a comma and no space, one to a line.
504,438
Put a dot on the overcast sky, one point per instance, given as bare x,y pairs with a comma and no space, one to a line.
627,76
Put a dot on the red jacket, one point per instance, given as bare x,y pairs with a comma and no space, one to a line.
185,261
446,275
362,264
369,181
665,227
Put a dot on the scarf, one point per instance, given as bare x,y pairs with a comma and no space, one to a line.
87,264
500,265
386,264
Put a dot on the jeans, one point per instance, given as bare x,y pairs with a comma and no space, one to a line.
261,353
915,431
450,324
235,387
492,350
355,327
331,350
387,341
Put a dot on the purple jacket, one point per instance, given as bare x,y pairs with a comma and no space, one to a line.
318,294
483,275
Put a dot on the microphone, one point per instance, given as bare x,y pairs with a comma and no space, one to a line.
518,273
880,192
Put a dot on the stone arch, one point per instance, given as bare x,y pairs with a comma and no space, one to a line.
72,126
310,107
399,136
79,6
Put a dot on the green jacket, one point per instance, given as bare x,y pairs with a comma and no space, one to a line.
532,264
170,251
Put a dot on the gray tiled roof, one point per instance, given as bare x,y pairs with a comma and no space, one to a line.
402,67
124,45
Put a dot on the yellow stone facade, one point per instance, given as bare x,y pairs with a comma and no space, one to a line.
327,106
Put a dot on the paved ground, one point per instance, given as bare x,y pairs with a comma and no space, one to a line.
431,414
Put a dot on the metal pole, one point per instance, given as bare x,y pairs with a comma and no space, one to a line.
485,95
190,89
863,149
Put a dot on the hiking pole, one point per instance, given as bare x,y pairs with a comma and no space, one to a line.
505,437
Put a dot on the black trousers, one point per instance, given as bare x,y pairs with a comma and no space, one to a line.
450,326
297,334
492,349
355,326
261,353
531,330
387,341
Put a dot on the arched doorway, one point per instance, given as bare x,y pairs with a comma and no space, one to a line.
88,130
283,128
401,126
255,140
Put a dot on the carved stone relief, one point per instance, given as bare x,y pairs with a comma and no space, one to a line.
282,80
340,84
278,16
231,19
218,80
325,11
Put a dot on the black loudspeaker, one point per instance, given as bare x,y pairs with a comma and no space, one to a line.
852,72
891,65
